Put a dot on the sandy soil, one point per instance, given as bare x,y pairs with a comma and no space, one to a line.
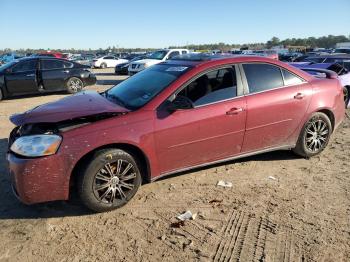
280,208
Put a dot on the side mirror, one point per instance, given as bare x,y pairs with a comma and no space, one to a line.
180,102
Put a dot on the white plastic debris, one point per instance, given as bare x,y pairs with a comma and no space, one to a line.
224,183
272,178
186,216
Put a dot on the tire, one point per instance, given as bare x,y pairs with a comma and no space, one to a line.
346,91
103,65
1,95
101,187
314,136
74,85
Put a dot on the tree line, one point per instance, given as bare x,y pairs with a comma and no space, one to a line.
310,42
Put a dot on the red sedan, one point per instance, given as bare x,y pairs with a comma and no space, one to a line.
174,116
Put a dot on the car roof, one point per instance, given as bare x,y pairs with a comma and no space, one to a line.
220,60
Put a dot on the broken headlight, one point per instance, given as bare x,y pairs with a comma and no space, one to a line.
36,145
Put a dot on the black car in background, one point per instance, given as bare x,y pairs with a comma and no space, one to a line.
43,74
122,69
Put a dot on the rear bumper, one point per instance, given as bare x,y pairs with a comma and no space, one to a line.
38,180
91,80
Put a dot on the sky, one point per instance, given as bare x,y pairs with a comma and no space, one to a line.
61,24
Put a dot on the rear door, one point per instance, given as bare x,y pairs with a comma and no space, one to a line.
212,130
54,73
22,77
277,101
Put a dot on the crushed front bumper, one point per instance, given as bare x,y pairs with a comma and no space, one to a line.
38,180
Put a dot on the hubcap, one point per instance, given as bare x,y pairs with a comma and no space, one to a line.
114,181
75,85
317,133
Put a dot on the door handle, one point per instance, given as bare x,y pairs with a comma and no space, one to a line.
299,96
30,75
234,111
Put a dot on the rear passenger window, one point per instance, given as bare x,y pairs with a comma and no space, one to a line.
212,87
52,64
290,79
262,77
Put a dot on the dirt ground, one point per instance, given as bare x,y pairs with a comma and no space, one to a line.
280,208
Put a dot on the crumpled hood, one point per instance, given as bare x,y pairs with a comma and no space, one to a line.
83,104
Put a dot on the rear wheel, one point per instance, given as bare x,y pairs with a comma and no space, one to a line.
74,85
314,136
109,180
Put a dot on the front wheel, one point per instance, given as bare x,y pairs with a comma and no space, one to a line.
109,180
314,136
74,85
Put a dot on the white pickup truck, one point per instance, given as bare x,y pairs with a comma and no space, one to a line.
155,58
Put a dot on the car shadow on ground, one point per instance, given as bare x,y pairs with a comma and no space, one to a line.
11,208
108,82
104,74
269,156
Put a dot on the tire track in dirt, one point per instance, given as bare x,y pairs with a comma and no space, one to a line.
249,238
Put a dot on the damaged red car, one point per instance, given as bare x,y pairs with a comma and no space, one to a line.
187,112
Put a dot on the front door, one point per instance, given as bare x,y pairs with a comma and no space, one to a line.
212,130
22,77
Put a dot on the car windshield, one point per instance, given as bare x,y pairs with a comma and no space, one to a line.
141,88
159,55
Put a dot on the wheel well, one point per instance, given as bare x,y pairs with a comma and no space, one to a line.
133,150
330,116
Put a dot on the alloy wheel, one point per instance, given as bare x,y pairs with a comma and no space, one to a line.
75,85
114,181
317,134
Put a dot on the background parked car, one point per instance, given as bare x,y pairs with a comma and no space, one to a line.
342,59
107,61
43,74
83,60
155,58
51,54
122,69
267,53
342,72
6,58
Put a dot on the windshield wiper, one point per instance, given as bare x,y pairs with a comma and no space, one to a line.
116,99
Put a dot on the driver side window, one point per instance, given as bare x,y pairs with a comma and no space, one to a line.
214,86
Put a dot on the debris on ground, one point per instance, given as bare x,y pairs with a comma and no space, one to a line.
186,216
224,183
177,224
272,178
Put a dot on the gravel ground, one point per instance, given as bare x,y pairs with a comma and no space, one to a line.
280,208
